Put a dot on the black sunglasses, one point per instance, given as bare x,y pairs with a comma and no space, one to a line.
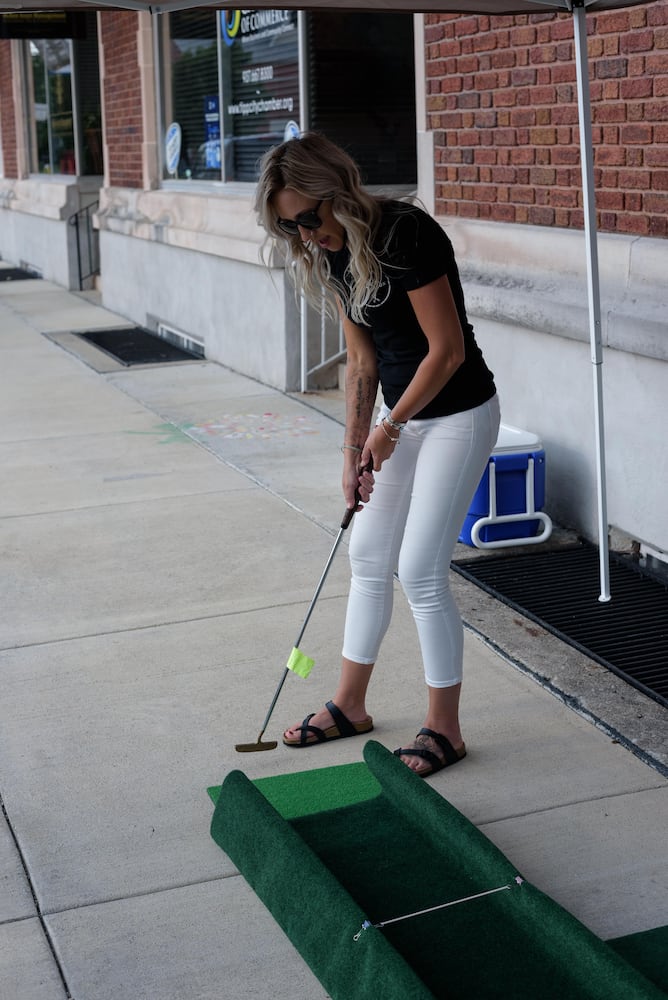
306,220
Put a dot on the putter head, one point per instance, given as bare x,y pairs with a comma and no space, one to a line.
254,747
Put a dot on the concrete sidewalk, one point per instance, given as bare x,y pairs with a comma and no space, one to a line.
162,530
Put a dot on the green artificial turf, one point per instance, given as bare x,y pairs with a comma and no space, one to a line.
326,850
306,900
647,951
294,795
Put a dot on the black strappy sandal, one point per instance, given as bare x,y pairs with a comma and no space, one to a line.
450,755
342,728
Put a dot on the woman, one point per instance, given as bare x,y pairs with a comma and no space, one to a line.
392,272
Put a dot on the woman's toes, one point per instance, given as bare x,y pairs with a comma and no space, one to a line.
414,763
321,720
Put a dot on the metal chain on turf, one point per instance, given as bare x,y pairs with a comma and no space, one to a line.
518,880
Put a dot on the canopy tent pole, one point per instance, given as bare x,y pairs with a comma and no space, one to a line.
593,287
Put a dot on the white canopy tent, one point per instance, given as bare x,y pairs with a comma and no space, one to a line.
424,7
578,10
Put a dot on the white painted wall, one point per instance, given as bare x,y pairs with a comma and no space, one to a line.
191,259
527,299
236,310
546,386
41,245
34,227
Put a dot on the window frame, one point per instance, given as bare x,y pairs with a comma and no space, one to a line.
163,98
30,111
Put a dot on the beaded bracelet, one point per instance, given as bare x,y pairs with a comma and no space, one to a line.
387,435
396,425
351,447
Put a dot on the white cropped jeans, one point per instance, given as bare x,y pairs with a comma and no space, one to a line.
410,525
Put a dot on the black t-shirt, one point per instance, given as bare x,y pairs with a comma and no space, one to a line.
414,251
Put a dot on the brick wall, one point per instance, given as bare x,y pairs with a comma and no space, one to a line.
502,103
121,97
7,115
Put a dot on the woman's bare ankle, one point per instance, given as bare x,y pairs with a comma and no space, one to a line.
447,728
353,709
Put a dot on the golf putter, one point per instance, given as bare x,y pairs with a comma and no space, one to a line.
261,744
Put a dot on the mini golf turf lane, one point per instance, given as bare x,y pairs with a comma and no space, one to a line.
647,951
396,846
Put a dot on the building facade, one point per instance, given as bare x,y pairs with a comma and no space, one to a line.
153,124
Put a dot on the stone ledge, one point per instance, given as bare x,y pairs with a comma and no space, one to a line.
54,198
215,223
535,278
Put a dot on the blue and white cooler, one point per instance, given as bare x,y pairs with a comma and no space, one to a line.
506,508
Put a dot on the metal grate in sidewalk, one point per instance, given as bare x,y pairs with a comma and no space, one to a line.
137,346
16,274
559,589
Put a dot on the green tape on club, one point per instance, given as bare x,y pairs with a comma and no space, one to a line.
299,663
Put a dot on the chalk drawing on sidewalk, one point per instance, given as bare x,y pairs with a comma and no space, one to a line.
249,426
233,427
167,433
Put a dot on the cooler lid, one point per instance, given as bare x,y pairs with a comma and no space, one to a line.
514,439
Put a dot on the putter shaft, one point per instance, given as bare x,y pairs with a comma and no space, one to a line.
270,745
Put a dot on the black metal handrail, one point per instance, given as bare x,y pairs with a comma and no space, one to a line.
88,242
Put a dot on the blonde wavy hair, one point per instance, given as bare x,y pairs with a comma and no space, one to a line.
315,167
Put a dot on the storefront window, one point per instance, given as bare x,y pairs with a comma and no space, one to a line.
260,64
231,89
52,86
362,90
190,94
64,90
231,84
